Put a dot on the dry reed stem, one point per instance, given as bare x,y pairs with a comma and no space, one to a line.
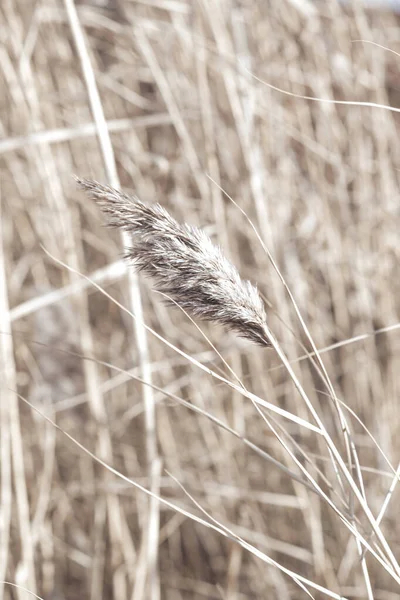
150,582
12,450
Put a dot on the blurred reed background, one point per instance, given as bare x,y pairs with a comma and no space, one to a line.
158,97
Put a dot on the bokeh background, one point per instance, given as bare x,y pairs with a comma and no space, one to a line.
320,183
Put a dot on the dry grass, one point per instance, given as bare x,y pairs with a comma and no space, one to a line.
156,96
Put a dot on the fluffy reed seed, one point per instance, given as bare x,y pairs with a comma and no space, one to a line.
184,264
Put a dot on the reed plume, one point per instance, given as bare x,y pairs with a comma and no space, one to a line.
184,264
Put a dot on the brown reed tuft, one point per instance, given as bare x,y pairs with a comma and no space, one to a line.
184,264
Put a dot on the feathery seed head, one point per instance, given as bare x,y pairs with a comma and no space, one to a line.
184,264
